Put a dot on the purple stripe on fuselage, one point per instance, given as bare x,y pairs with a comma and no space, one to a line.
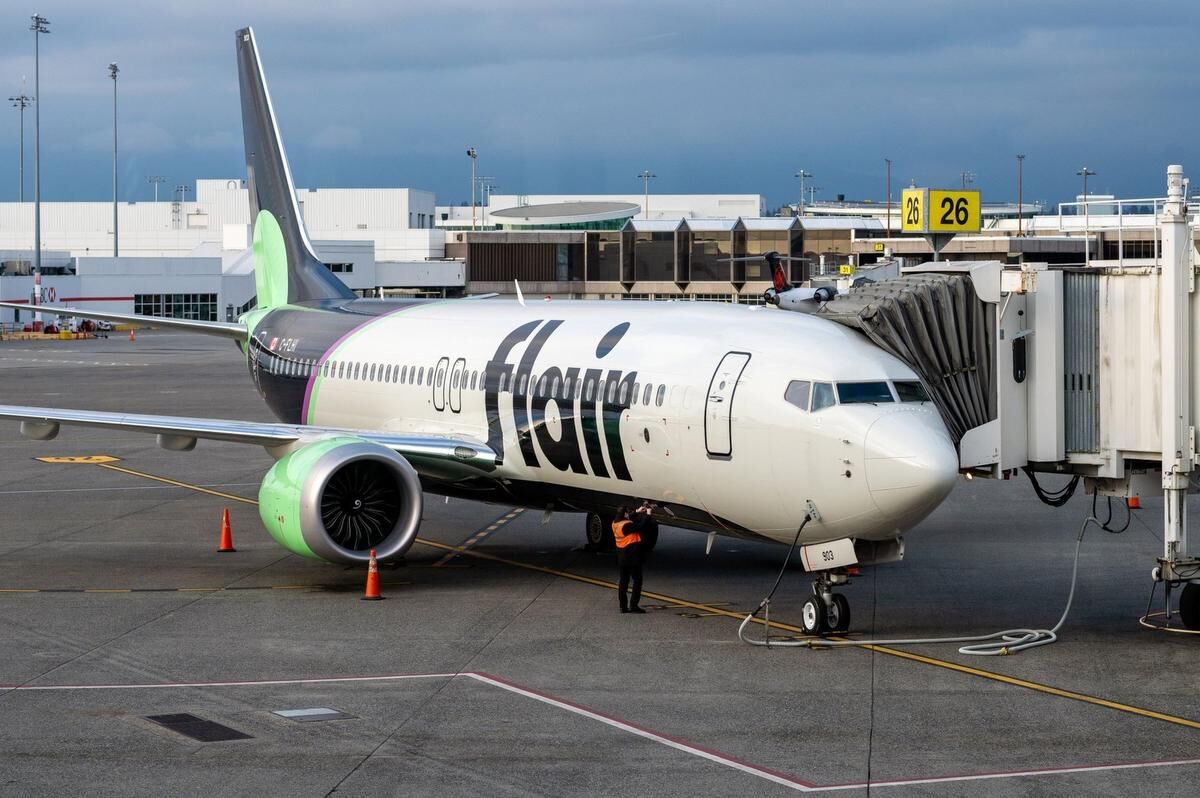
312,380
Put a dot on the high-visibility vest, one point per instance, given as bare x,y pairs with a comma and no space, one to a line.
622,539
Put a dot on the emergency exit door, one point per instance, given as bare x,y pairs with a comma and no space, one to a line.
718,408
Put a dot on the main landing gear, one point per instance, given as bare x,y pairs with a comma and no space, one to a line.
826,612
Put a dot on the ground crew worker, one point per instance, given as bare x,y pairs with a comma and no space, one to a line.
626,534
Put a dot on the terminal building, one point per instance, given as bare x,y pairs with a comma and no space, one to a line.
191,258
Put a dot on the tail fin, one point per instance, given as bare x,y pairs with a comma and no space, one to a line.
286,268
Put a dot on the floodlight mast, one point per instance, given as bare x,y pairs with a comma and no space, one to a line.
645,176
112,73
21,102
38,25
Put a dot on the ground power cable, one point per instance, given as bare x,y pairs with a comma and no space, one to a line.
1009,641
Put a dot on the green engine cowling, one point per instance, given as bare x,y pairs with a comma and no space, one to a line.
339,498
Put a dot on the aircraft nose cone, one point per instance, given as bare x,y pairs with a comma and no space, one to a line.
911,465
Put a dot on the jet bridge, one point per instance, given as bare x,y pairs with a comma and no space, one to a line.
1086,371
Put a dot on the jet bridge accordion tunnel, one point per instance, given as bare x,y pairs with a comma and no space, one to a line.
1088,371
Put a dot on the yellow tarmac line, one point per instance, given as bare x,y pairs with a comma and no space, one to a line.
710,610
452,551
164,480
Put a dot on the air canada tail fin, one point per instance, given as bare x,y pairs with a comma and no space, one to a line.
286,268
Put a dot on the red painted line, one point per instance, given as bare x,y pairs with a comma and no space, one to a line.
75,299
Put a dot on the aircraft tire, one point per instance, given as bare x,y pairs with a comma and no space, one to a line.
1189,606
650,537
812,616
839,614
598,532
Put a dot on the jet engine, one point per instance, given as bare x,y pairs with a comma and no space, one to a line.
337,499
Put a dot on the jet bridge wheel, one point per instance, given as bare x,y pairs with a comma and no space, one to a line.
1189,606
598,532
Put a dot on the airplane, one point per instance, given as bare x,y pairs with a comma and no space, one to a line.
734,420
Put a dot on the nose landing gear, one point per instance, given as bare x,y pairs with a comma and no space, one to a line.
826,612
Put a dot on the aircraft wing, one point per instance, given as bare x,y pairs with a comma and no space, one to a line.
435,456
220,328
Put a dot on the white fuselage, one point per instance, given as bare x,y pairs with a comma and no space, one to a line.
707,427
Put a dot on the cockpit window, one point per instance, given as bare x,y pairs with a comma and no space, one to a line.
858,393
797,393
822,396
911,391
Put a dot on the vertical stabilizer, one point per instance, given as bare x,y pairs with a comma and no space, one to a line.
286,268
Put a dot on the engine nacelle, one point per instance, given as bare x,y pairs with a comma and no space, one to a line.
339,498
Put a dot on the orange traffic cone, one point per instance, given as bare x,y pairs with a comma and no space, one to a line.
132,337
372,593
226,535
1134,502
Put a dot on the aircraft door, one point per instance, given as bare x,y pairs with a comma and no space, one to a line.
439,384
458,375
718,408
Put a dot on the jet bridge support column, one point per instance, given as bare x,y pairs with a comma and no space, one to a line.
1178,434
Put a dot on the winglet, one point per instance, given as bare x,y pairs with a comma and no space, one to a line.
520,296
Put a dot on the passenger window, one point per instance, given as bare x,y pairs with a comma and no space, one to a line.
662,394
441,378
636,390
474,374
612,391
554,388
797,393
421,376
502,381
624,394
822,396
524,385
395,374
387,373
863,393
591,387
578,389
911,391
341,369
646,394
542,387
372,377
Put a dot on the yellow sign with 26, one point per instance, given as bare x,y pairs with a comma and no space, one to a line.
925,210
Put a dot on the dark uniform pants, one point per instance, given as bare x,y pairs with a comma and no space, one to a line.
629,559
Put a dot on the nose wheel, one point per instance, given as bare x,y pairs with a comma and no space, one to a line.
826,612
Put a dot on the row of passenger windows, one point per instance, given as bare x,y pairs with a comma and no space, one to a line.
566,388
816,396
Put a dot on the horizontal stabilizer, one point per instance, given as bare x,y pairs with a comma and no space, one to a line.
219,328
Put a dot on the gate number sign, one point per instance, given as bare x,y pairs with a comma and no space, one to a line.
931,210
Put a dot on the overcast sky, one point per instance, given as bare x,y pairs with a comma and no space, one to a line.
579,97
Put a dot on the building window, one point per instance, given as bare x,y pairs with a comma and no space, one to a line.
340,268
198,307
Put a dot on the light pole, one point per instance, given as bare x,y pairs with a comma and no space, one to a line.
21,102
156,179
39,25
812,194
646,175
967,178
1020,204
888,161
1085,173
472,155
112,73
801,174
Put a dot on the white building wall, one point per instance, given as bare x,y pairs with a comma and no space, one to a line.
150,229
